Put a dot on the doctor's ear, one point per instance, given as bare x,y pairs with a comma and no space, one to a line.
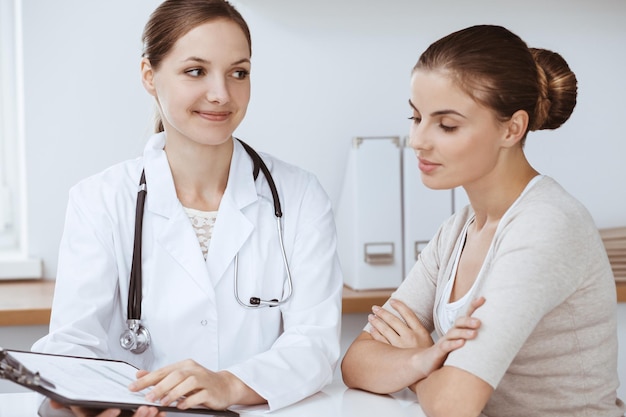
147,76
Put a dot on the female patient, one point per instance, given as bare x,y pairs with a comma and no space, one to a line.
547,345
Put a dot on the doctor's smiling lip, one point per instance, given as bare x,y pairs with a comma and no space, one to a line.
427,166
215,116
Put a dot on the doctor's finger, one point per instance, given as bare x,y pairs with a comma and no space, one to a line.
161,391
184,386
141,373
85,412
210,399
201,387
147,379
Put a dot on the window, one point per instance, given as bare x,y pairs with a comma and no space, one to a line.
14,262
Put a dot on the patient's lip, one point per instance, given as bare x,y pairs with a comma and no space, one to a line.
427,166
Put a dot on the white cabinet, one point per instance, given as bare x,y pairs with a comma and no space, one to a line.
385,214
369,216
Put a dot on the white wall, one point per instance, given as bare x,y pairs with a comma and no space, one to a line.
323,72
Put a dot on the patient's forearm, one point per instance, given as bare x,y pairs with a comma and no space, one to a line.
381,368
451,391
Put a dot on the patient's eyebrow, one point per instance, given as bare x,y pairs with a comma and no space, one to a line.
439,112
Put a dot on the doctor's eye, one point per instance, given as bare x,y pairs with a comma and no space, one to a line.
195,72
415,119
241,74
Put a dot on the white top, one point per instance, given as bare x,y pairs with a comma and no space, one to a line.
448,311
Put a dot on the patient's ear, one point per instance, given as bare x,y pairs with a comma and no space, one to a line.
516,128
147,76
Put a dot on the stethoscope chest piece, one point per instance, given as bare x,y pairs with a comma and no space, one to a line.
135,338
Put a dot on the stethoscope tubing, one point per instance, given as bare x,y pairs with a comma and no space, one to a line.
135,330
134,291
256,302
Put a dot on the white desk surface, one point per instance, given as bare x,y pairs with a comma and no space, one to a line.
334,400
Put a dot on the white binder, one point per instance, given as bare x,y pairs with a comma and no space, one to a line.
369,215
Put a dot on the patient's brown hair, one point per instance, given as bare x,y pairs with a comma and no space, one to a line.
498,70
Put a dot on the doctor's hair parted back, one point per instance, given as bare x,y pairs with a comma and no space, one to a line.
497,69
172,19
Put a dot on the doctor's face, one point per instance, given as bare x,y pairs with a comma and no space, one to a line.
202,86
457,141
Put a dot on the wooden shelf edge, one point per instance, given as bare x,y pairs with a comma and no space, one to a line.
362,301
621,291
353,302
32,317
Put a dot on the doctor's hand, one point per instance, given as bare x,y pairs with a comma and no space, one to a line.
189,384
142,411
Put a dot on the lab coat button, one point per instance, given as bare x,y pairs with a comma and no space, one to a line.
203,322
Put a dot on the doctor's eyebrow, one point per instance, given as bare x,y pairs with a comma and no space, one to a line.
439,112
206,62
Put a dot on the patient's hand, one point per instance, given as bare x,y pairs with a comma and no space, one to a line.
408,332
465,328
405,332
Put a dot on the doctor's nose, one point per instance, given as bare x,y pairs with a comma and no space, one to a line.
217,91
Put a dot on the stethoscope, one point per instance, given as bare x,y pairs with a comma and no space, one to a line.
136,337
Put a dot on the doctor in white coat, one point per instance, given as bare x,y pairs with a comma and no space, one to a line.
210,239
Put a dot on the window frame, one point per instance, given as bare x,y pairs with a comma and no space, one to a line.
15,262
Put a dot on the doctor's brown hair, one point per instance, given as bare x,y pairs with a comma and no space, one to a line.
172,19
497,69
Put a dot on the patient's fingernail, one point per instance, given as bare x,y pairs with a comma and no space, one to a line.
375,309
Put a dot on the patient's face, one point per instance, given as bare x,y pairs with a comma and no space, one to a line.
457,140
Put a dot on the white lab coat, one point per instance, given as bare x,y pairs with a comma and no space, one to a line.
284,353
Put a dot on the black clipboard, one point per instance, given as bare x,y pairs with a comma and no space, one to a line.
80,381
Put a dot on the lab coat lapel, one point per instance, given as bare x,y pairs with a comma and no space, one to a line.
172,228
233,227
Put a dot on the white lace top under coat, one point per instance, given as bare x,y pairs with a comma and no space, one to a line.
203,223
